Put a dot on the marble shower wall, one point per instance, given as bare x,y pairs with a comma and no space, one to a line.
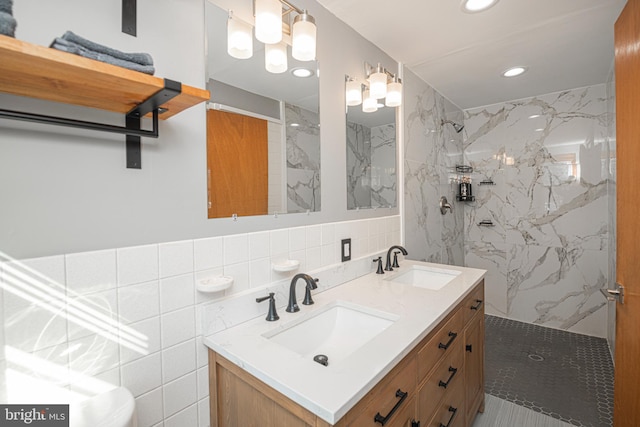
371,166
303,159
547,254
431,153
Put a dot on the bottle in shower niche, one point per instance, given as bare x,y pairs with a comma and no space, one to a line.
464,189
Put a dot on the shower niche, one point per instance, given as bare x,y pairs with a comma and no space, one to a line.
463,180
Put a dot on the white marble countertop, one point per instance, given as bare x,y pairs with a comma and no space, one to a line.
329,392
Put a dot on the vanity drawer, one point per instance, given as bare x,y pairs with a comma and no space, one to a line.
474,303
385,396
450,412
440,344
445,377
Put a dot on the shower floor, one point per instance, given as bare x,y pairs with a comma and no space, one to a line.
564,375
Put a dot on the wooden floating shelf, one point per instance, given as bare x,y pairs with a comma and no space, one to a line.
44,73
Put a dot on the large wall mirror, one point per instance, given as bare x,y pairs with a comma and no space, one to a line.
263,129
371,158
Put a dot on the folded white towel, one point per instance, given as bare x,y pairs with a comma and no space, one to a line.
67,46
138,58
8,24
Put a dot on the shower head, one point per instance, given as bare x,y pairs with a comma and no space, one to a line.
458,127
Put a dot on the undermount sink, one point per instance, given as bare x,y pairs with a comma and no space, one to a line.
425,277
336,331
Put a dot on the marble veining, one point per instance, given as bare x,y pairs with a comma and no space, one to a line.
303,159
548,157
431,153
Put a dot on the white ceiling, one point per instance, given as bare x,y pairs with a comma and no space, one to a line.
565,44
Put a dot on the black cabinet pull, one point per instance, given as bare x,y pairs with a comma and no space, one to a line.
452,336
478,305
415,423
470,348
383,420
453,374
453,415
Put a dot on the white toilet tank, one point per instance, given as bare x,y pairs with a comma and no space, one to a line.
114,408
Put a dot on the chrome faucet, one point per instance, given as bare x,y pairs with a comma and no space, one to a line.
292,307
388,267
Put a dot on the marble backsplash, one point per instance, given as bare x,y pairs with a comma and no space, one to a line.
432,151
547,253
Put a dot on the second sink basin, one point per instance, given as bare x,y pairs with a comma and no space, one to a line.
336,331
425,277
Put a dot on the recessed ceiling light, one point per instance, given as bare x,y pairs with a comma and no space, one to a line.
294,125
539,130
534,116
473,6
514,71
302,72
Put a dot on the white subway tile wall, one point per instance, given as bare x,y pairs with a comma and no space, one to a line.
133,317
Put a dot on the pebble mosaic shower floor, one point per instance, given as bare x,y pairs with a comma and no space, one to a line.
564,375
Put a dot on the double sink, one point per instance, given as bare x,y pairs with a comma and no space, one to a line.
334,332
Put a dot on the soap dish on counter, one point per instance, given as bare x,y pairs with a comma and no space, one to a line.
214,284
286,265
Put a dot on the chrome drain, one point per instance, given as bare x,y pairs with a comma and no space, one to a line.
321,359
536,357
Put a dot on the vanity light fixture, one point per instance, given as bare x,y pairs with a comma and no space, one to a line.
239,38
514,71
271,29
379,83
474,6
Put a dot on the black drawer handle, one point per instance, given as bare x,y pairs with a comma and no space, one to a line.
478,305
452,336
383,420
453,415
453,374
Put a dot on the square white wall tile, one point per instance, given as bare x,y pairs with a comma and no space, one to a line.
138,302
149,408
259,245
202,353
297,239
89,272
94,354
137,264
328,234
313,236
329,254
143,375
180,394
236,249
46,270
204,416
178,326
259,272
178,360
139,339
93,313
176,292
185,418
240,274
279,240
203,383
313,258
208,253
176,258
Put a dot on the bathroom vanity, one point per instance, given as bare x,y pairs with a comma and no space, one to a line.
404,348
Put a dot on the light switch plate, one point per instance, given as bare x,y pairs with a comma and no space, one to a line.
346,249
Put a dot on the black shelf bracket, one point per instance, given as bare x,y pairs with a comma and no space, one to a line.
129,17
133,119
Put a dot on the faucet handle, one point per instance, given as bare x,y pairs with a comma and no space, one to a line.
307,292
395,259
271,315
379,260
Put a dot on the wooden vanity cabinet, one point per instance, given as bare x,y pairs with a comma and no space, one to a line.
442,378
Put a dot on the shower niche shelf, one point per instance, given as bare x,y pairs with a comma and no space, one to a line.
48,74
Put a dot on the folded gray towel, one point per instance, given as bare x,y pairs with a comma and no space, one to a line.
67,46
138,58
6,6
7,24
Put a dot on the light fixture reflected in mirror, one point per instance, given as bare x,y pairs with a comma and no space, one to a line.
270,29
239,38
379,84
